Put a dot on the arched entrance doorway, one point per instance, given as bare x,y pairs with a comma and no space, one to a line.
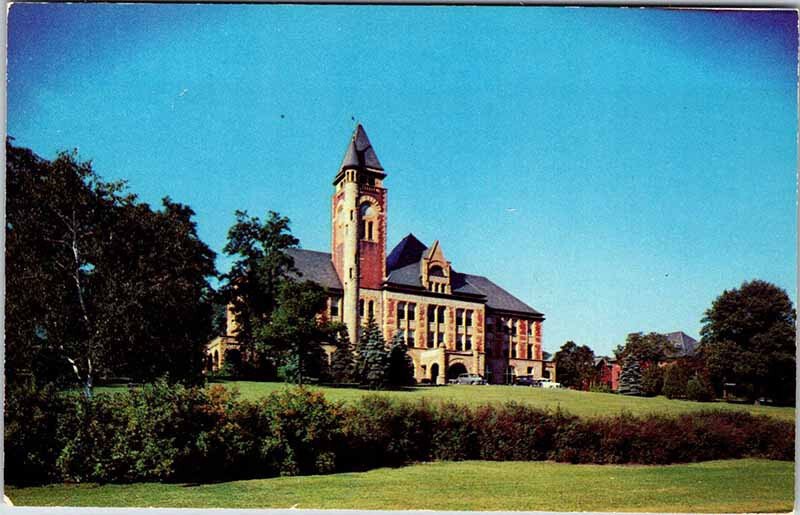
455,370
434,373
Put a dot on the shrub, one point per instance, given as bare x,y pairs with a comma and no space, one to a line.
516,432
652,380
675,379
300,432
455,433
699,389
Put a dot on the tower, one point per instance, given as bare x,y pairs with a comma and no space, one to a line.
358,215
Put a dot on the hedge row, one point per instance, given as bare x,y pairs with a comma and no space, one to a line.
171,433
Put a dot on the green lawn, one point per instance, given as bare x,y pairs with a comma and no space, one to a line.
716,486
587,404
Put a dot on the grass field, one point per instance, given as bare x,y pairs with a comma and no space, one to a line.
588,404
716,486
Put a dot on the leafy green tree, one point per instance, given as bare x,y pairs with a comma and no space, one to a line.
400,366
99,284
374,356
652,380
748,338
676,378
294,333
630,379
575,365
343,364
645,348
252,285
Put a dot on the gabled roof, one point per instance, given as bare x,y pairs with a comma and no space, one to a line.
684,344
315,266
359,153
408,251
404,268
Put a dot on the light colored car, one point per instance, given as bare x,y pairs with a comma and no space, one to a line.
550,384
470,379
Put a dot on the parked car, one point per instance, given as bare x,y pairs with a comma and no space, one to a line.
527,381
550,384
470,379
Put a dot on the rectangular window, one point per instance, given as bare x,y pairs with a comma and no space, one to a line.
513,351
410,339
371,309
530,328
441,314
412,311
431,339
431,313
334,307
440,340
401,312
459,344
361,307
530,371
468,343
530,351
369,231
469,317
459,317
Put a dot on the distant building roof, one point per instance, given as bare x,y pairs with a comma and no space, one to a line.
315,266
684,344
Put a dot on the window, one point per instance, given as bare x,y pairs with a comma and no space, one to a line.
459,317
459,344
530,351
334,307
530,371
412,310
469,317
431,338
530,328
410,339
367,217
468,343
401,311
371,311
440,341
361,307
431,313
369,231
441,314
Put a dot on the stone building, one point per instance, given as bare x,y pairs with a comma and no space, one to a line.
453,322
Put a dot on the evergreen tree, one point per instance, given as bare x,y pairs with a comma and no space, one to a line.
400,367
374,356
343,364
630,380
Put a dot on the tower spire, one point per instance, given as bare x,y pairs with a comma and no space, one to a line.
360,155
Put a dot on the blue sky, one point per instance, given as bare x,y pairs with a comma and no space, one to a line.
616,169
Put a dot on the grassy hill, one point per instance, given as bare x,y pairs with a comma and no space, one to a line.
716,486
588,404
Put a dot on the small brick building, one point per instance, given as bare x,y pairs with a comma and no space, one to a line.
452,322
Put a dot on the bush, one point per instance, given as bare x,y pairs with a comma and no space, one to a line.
675,379
652,380
168,432
699,389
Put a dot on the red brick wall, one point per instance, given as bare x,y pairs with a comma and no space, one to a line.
372,255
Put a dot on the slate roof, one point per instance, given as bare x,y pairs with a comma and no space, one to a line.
404,264
684,344
316,266
359,153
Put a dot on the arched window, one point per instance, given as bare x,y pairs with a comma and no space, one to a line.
368,226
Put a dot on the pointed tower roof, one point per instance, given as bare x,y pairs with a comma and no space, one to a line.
360,154
408,251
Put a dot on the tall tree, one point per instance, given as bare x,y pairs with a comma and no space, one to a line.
253,282
748,338
294,333
343,365
374,356
575,365
645,348
400,367
99,284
